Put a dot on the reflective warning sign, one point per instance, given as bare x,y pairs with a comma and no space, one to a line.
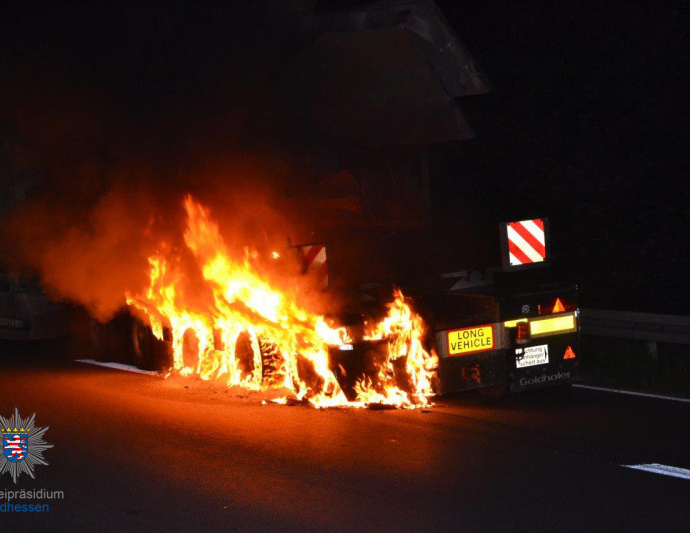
532,356
314,262
569,353
470,340
526,242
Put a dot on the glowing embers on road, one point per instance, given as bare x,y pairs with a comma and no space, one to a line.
233,324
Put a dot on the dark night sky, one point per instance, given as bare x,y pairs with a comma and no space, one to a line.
588,122
590,119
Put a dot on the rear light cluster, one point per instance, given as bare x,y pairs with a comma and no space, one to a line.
522,332
555,317
557,305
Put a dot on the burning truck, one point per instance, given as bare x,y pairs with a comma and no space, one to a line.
419,300
254,328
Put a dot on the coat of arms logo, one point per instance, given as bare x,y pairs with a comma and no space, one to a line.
22,445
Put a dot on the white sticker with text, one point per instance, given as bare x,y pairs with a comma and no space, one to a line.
532,355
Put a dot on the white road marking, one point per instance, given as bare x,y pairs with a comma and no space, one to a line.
664,470
119,366
632,393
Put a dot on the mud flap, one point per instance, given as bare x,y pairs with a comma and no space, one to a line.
473,371
544,362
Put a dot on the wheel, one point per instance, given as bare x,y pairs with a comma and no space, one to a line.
272,364
141,345
244,353
146,351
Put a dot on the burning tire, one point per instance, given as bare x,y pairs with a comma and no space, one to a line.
361,362
244,353
272,364
148,352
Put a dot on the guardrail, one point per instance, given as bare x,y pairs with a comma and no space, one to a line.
642,326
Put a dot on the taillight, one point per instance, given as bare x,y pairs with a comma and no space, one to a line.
522,333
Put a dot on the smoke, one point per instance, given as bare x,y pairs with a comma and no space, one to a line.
84,208
92,248
106,127
84,256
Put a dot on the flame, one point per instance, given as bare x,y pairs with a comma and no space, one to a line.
404,331
253,335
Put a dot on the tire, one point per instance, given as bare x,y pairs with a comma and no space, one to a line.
146,351
126,340
244,353
272,370
142,349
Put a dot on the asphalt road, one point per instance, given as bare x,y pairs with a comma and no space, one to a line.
134,452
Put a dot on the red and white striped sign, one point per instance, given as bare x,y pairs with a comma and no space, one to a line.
315,263
526,242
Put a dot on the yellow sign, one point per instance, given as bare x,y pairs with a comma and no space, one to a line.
552,325
471,340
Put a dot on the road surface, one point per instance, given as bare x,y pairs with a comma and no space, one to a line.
135,452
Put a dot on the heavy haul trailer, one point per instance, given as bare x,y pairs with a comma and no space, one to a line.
512,332
370,116
525,332
499,340
513,340
512,329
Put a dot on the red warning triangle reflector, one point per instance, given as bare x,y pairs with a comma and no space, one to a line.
569,353
558,307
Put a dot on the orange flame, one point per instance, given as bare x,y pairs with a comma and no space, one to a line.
256,336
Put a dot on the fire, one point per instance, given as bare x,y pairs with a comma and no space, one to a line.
404,330
254,335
